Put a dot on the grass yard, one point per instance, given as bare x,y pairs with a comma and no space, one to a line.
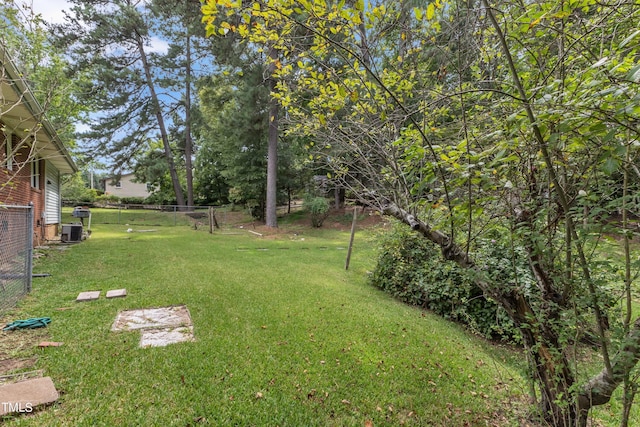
284,336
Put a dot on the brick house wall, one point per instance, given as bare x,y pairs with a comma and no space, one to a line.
32,156
16,186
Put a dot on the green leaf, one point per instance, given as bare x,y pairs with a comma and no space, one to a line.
626,41
609,136
634,74
610,165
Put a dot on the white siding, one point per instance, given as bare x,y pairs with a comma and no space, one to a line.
126,187
52,195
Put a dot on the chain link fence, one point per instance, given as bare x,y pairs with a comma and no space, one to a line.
138,215
134,216
16,248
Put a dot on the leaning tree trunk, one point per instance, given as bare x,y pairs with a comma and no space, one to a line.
168,154
551,368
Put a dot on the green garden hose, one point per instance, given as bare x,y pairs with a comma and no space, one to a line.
35,322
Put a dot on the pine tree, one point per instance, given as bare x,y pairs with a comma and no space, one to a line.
112,41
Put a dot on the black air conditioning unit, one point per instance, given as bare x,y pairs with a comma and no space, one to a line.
71,233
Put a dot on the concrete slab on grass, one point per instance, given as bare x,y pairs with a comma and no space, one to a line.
117,293
158,326
165,336
88,296
163,317
25,396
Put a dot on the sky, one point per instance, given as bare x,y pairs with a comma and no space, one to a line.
52,11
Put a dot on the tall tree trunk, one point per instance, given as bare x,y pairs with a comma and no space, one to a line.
163,129
551,368
188,143
271,218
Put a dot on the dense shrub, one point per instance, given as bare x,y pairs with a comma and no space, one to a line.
132,200
412,269
160,197
75,192
107,199
318,208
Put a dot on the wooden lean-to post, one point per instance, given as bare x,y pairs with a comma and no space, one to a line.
353,232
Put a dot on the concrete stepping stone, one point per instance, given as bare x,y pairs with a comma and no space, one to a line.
25,396
158,327
165,336
88,296
117,293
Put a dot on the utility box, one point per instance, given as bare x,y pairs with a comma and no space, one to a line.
71,233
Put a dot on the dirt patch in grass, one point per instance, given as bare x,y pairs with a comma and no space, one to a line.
10,365
17,347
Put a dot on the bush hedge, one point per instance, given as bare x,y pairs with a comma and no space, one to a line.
412,269
319,208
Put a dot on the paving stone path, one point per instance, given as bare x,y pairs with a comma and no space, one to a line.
88,296
158,326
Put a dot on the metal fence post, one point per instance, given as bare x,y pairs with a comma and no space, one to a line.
29,246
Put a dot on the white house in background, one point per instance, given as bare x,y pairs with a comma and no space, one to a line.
124,186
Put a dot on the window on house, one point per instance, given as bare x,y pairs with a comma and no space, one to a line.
118,184
35,173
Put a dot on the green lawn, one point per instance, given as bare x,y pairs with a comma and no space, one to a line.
284,336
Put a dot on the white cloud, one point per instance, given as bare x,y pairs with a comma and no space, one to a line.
158,45
51,10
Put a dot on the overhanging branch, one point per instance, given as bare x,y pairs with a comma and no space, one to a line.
450,250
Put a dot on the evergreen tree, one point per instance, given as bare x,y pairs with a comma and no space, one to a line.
112,41
233,106
189,57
